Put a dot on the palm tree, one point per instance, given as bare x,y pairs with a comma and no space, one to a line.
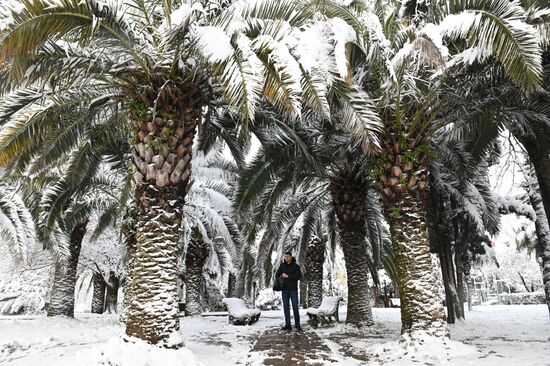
415,53
461,209
164,65
312,172
215,238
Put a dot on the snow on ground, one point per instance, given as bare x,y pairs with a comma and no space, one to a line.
502,336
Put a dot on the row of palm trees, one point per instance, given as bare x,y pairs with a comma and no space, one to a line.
366,112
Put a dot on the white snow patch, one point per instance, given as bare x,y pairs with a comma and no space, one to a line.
214,42
136,352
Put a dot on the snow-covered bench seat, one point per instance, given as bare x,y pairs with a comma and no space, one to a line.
326,311
239,313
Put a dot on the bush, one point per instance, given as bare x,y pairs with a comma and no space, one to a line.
522,298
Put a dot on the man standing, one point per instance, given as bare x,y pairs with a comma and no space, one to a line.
290,271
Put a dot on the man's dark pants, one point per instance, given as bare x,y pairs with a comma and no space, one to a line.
291,296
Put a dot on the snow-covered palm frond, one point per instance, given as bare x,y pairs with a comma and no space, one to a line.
358,115
16,225
499,27
240,73
283,86
82,19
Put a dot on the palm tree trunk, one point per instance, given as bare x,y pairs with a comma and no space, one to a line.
231,285
315,260
111,296
62,295
420,308
539,156
164,119
98,296
129,234
467,268
349,202
445,273
196,255
304,290
542,229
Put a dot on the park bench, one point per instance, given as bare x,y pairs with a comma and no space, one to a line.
326,311
239,313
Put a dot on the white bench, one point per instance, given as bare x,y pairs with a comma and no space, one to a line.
239,313
326,311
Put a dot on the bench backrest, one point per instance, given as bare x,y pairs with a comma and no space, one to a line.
234,304
330,303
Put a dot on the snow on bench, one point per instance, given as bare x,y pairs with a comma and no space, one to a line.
395,302
326,311
239,313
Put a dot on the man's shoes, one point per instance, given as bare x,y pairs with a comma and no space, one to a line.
287,327
299,329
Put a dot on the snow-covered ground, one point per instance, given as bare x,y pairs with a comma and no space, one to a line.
499,335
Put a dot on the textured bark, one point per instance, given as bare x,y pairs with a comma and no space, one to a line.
196,255
231,285
539,156
111,295
542,229
467,268
98,297
349,202
460,245
445,273
129,234
164,124
420,308
303,291
315,260
62,295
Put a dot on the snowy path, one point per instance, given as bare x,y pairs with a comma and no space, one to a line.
502,335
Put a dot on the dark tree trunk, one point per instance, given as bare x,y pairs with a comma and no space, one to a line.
315,260
130,244
231,285
445,273
304,285
349,203
62,296
542,229
461,292
539,155
164,119
196,255
98,298
111,296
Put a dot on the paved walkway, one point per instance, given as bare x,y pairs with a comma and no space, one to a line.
276,347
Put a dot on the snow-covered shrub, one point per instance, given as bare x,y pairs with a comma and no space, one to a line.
24,286
522,298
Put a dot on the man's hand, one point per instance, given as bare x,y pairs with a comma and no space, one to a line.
285,275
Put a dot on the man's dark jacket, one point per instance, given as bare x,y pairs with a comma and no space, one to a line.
293,272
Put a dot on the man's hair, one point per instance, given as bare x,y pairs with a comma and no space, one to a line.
287,252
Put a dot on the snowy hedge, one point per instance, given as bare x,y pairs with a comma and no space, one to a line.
522,298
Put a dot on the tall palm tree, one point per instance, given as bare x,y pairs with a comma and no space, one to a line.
415,51
164,66
313,173
215,238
